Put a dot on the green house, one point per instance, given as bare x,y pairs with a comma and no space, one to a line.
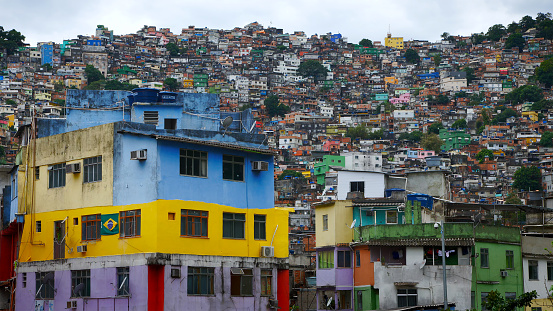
454,139
320,169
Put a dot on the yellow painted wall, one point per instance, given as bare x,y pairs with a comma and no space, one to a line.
394,42
545,304
188,83
532,115
11,120
43,96
158,233
340,216
69,148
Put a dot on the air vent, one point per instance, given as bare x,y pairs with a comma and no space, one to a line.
151,117
175,273
71,304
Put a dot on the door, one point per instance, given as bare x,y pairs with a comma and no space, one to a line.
59,239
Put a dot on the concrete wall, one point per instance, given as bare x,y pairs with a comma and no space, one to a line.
427,280
431,183
374,183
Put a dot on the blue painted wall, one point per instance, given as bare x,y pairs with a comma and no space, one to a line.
256,191
46,54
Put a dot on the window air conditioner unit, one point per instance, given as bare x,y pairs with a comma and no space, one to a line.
503,273
73,168
82,248
175,273
267,251
71,304
141,154
260,166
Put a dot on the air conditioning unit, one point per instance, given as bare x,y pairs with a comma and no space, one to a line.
260,166
175,273
73,168
267,251
141,154
71,304
503,273
82,248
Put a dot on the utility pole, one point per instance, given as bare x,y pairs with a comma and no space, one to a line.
443,266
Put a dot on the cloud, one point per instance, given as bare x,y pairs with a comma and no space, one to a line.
56,20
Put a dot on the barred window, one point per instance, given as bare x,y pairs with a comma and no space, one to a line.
266,282
123,281
193,163
92,169
56,175
44,285
91,225
200,281
80,283
129,223
193,223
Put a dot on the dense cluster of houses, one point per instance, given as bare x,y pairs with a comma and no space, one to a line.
365,206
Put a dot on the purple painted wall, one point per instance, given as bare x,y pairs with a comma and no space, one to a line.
103,284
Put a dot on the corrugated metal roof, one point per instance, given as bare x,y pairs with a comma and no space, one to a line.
419,242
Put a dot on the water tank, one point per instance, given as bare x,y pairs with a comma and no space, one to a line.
145,95
167,97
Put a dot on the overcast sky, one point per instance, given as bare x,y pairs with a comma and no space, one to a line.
56,20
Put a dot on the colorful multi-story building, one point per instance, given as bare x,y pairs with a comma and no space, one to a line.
454,139
147,200
320,169
393,42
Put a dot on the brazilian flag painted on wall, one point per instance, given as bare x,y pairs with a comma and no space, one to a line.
110,224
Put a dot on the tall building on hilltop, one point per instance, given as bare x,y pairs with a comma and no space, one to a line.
149,201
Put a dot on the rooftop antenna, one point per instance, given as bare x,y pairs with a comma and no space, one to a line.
226,123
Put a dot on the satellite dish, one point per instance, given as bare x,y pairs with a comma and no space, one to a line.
353,224
226,123
329,301
48,277
77,291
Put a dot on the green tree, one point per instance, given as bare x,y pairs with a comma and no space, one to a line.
442,99
58,86
11,102
93,74
513,27
437,59
445,36
432,141
459,124
378,134
171,84
173,49
478,38
545,29
366,43
527,22
273,106
290,174
527,178
96,85
482,154
544,73
412,57
10,40
525,93
512,198
415,136
546,139
312,68
435,128
496,32
47,67
515,40
496,302
542,105
117,85
470,74
504,115
360,131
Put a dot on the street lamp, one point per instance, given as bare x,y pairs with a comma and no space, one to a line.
441,225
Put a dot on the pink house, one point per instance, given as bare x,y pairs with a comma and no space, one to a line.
402,99
331,145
